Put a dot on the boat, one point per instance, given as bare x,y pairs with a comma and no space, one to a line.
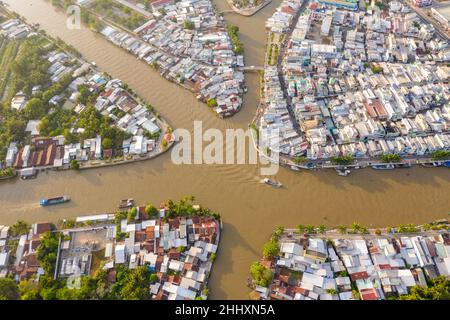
383,166
432,164
440,221
272,183
93,63
308,166
447,163
343,172
52,201
126,204
295,168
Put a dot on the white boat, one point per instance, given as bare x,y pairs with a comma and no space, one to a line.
273,183
342,172
295,168
126,203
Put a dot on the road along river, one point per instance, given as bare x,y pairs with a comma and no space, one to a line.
250,209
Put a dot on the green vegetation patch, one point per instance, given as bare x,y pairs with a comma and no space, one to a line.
233,32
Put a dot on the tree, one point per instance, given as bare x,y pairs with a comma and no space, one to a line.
46,252
342,160
8,289
391,158
310,229
322,229
301,228
233,32
356,227
188,24
132,213
151,211
342,229
260,274
300,160
271,250
277,233
74,165
29,290
440,155
376,69
438,289
35,109
70,137
364,230
332,291
132,284
153,278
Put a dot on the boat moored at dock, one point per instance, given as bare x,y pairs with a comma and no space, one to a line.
126,204
53,201
343,172
432,164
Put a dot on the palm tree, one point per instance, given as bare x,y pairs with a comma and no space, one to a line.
322,229
364,230
277,232
342,229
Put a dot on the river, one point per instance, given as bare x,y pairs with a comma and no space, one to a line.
250,210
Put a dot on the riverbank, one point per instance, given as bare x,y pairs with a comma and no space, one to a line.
248,12
196,56
308,143
250,209
356,164
366,264
102,86
8,173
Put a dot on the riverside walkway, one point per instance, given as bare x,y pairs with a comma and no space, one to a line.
135,8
